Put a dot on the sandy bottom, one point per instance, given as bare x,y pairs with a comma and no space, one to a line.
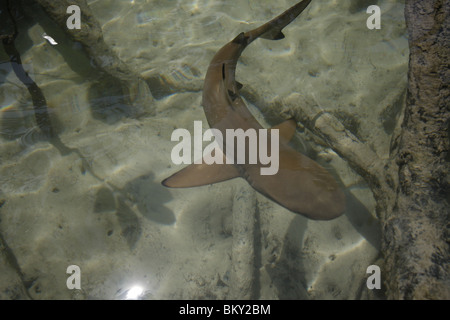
120,226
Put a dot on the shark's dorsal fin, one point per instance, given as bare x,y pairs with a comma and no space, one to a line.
287,129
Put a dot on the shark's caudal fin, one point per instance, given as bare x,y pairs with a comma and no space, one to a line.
272,30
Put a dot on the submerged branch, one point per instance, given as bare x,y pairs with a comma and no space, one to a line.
243,248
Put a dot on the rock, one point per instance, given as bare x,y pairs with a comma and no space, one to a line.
415,232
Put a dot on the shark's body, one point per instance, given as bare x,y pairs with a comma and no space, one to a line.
300,185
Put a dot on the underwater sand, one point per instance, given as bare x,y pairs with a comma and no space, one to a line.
177,244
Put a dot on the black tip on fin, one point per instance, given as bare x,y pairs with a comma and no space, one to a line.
164,182
239,85
240,39
279,36
232,95
273,36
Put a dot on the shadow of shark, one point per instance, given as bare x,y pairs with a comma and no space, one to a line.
300,184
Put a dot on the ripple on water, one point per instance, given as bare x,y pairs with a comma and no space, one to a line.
14,122
27,175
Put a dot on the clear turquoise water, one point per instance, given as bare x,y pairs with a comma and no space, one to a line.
103,208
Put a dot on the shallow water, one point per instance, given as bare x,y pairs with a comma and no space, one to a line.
101,206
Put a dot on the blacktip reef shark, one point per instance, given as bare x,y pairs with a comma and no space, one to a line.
300,185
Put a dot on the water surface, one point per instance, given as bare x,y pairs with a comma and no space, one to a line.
103,208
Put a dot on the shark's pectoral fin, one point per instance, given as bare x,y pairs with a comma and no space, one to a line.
287,129
196,175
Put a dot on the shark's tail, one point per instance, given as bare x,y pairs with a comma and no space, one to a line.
272,30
